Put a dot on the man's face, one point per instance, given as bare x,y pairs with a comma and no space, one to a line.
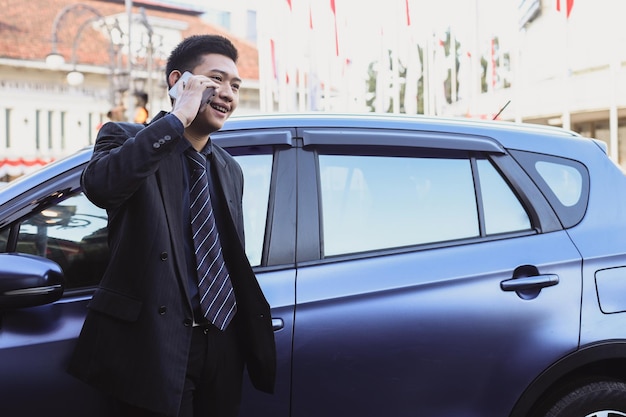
223,71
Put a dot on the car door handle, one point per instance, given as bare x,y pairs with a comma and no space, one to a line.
277,324
529,283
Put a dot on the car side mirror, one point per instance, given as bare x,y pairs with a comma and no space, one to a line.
28,280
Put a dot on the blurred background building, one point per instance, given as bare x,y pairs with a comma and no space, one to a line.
563,66
67,66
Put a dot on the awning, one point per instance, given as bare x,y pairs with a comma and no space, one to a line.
14,167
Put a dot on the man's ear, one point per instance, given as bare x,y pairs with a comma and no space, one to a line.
173,77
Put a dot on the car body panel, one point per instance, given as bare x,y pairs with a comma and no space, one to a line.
400,333
425,329
35,345
279,287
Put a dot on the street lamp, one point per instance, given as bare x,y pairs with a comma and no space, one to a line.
118,80
75,78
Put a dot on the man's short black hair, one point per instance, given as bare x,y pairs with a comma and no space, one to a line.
188,54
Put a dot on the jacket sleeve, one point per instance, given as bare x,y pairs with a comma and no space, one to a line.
124,155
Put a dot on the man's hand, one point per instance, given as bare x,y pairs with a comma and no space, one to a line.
189,101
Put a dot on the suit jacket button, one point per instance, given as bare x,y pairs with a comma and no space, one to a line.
163,256
162,310
188,322
156,145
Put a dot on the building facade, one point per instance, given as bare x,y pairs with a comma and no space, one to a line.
567,70
64,65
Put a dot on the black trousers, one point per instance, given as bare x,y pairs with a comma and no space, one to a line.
214,376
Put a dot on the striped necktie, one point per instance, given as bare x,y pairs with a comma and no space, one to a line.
217,299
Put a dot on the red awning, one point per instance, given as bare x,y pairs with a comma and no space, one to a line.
14,167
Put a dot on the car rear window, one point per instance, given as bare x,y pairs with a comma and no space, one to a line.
564,182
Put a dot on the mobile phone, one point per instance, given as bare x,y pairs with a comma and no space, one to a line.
179,84
207,96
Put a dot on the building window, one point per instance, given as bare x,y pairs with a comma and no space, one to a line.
251,29
50,141
7,127
38,129
63,116
219,17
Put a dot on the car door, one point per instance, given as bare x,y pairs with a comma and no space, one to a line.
56,221
439,283
269,165
53,220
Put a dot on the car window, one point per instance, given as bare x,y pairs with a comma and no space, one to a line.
257,171
379,202
372,202
72,233
4,238
503,211
564,182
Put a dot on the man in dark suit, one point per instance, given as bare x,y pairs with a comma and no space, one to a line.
148,339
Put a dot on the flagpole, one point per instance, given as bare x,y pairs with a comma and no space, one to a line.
380,77
265,72
413,67
615,68
453,75
428,61
566,117
395,58
518,65
613,116
475,87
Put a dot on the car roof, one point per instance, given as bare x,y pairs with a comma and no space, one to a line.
511,135
394,121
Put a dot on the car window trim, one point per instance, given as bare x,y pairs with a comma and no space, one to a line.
43,195
399,138
542,215
248,138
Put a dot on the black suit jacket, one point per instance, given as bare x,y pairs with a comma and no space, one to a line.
136,337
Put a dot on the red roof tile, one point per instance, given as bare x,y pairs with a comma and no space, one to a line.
26,30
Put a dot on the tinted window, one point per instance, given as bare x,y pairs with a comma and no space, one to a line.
4,237
371,202
72,233
503,211
564,183
378,202
257,171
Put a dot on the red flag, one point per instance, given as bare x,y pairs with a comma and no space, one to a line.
569,4
332,7
494,64
273,53
408,15
289,3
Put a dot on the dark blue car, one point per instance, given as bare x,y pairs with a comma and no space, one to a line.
415,267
